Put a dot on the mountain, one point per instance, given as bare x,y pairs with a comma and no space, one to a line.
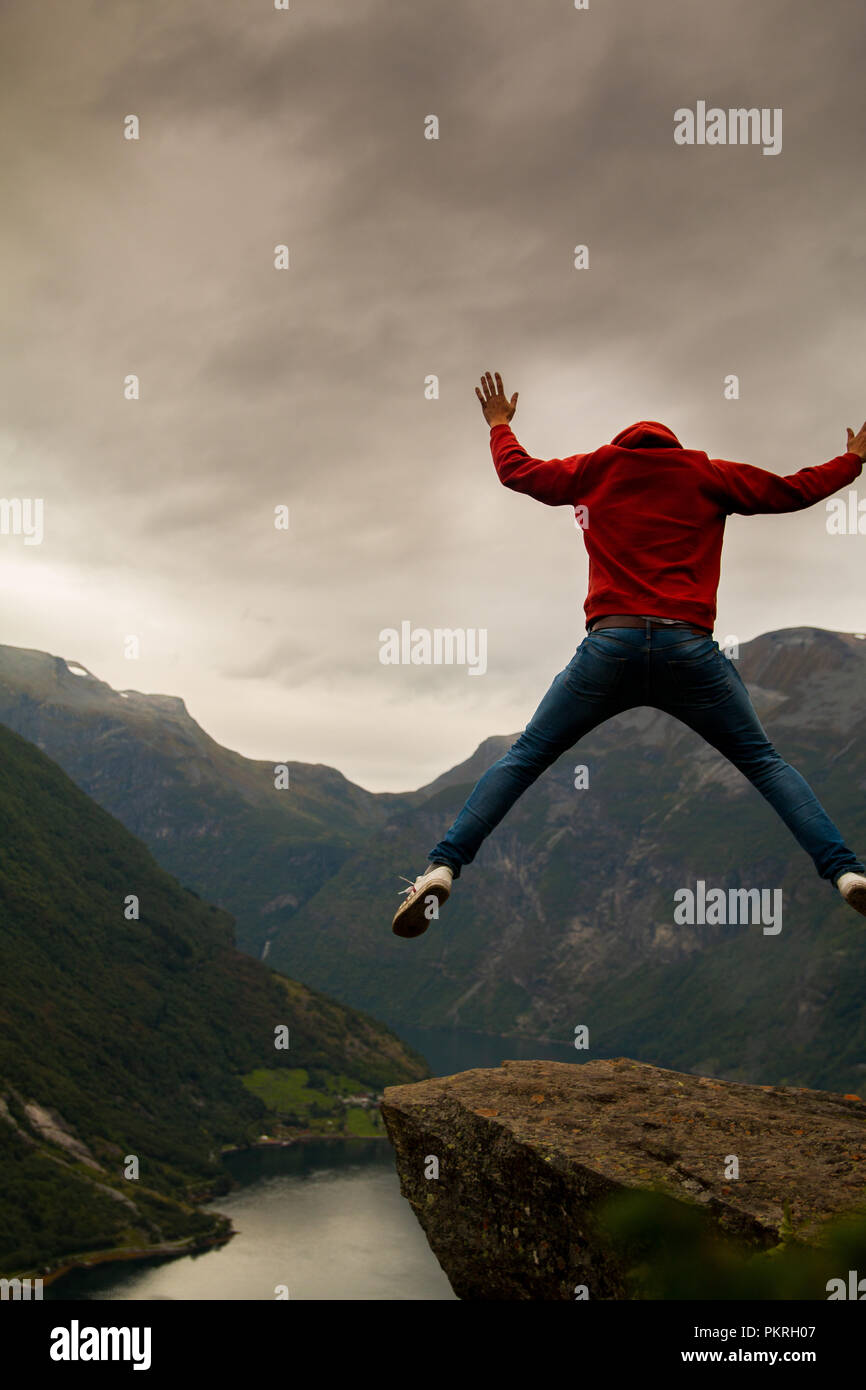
121,1036
212,817
566,919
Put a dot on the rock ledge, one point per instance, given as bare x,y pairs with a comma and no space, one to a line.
527,1153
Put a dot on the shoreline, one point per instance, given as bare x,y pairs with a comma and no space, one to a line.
307,1136
168,1250
191,1245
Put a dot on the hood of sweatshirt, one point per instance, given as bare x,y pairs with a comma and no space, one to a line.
646,434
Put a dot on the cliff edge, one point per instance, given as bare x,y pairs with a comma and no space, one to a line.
508,1169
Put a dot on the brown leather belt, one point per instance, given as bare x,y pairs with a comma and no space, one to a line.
633,620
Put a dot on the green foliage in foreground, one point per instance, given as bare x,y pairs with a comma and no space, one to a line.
671,1251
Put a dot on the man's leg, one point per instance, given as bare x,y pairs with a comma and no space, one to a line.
710,696
589,691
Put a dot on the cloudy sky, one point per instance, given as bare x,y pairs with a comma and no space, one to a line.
408,258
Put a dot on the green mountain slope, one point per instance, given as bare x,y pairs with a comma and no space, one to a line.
123,1037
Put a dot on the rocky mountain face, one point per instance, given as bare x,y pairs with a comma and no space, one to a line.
513,1174
567,919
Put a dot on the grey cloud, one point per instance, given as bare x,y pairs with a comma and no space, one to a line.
409,257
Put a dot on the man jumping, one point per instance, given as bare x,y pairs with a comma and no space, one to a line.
653,517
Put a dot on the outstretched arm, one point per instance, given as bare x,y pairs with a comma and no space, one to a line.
547,480
748,491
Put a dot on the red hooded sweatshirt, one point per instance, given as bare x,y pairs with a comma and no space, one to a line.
653,513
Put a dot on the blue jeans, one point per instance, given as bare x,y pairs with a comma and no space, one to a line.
671,669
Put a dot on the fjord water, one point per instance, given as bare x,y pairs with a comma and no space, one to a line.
326,1220
449,1050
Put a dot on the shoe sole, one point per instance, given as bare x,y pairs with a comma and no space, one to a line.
857,899
411,919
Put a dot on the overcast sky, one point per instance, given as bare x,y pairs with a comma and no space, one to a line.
408,257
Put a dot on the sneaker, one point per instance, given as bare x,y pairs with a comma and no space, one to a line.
411,918
852,886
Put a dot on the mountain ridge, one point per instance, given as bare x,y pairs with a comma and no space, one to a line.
566,916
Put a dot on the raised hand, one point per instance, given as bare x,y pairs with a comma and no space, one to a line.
497,408
857,442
